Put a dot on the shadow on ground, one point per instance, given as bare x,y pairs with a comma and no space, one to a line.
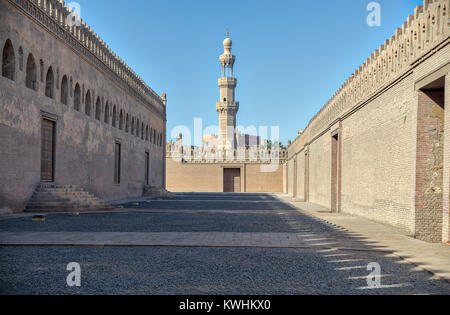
333,261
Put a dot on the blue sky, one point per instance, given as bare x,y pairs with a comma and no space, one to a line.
292,55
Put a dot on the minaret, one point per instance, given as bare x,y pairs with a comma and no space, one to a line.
227,107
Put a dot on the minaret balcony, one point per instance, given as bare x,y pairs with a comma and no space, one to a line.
227,105
227,59
227,82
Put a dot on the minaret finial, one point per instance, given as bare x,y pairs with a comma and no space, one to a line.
228,33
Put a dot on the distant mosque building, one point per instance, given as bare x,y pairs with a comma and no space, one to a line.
229,137
230,161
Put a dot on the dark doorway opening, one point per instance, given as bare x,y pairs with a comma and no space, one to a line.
231,180
48,151
295,178
335,173
307,176
117,163
147,168
430,162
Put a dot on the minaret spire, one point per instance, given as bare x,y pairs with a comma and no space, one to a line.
227,107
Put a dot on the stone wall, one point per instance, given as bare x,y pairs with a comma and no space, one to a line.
208,177
320,170
301,176
376,174
446,164
83,68
290,179
429,164
258,181
390,157
193,177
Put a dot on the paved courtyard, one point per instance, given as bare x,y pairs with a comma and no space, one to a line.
200,244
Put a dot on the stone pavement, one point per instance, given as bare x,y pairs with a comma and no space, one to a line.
177,239
208,244
213,239
434,258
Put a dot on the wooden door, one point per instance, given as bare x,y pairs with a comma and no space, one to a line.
334,172
47,151
117,163
307,176
231,180
294,193
147,168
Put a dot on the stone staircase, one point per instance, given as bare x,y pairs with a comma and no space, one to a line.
64,198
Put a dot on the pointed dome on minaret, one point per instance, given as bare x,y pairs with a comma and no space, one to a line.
227,59
227,43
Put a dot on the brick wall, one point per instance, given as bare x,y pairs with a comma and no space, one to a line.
376,158
205,177
379,149
84,149
429,165
446,165
291,177
193,177
320,171
392,157
257,181
301,176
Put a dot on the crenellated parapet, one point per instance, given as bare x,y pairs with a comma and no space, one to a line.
255,154
425,31
53,15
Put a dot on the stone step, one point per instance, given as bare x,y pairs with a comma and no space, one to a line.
64,204
64,198
44,199
44,194
50,186
70,202
60,195
74,203
58,190
68,208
